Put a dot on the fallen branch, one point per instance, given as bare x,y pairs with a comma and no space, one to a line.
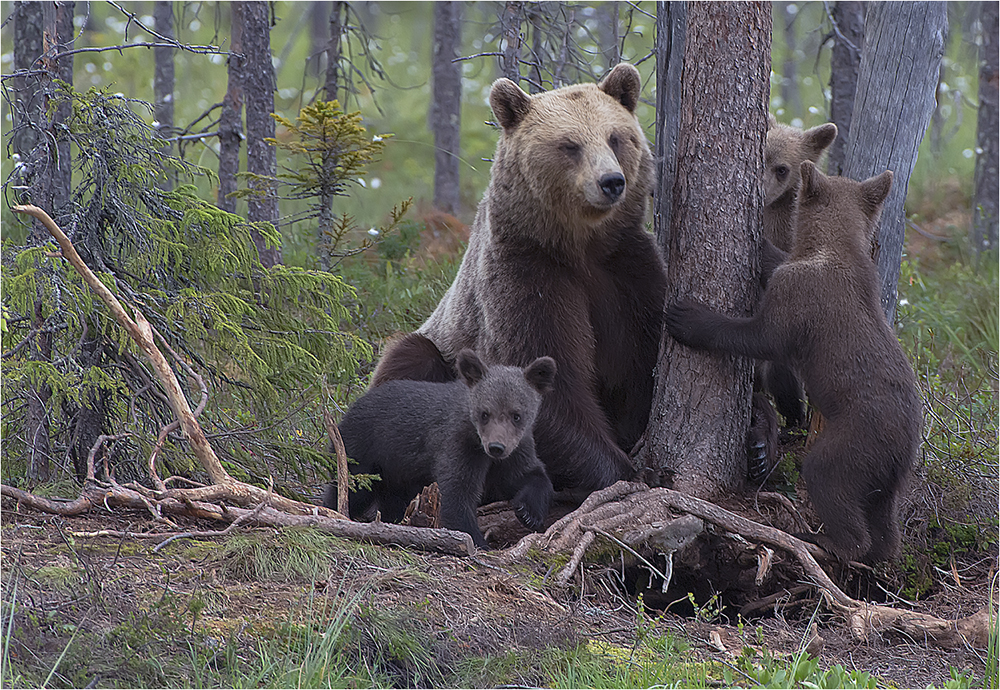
111,496
632,508
333,432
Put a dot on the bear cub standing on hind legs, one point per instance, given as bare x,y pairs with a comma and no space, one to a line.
821,314
472,436
785,150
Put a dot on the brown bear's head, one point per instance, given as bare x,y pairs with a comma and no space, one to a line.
837,213
577,153
785,150
503,400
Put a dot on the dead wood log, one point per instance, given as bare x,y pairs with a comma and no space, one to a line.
617,508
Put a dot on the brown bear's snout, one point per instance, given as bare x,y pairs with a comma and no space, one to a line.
496,449
612,185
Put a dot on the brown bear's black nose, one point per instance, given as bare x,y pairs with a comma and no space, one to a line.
496,449
612,184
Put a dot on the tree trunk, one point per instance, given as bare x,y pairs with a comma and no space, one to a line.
510,28
848,39
984,224
671,25
163,81
446,108
42,31
334,51
790,97
608,32
701,407
904,42
258,89
230,121
319,17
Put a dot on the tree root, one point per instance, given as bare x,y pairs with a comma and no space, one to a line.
636,514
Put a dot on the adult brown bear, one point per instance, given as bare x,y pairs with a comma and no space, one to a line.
560,263
821,315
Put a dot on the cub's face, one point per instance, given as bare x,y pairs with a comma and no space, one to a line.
504,401
785,150
579,148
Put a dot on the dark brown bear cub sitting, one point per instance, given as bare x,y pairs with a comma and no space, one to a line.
472,436
821,315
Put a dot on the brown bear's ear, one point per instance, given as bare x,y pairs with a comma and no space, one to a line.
813,180
470,367
818,138
541,374
510,104
772,121
874,191
623,84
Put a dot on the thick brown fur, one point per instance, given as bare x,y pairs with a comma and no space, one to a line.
559,262
784,152
821,315
472,436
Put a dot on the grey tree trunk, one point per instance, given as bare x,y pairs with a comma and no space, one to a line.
258,91
608,33
319,17
671,25
41,31
845,61
446,105
984,200
163,80
510,23
904,42
231,118
338,11
701,406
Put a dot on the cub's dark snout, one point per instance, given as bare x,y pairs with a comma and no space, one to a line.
496,449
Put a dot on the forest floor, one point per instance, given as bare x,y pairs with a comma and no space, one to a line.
100,611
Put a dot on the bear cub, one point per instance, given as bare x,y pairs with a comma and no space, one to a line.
821,315
472,436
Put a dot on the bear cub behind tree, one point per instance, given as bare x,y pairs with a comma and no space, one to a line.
785,150
821,315
472,436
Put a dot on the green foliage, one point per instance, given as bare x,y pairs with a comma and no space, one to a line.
766,670
264,336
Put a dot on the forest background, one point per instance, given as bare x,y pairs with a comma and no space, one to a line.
388,267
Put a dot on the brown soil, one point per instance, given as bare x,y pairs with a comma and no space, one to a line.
112,586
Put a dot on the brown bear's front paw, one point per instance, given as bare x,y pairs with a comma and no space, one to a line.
685,321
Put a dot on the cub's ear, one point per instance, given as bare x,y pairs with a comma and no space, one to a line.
470,367
510,104
772,121
818,138
623,84
813,181
874,190
541,374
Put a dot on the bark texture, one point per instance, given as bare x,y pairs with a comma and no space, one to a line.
984,224
446,106
701,406
163,79
258,90
231,118
904,42
845,61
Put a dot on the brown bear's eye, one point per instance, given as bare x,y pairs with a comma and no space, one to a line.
570,148
614,142
515,417
484,417
781,172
